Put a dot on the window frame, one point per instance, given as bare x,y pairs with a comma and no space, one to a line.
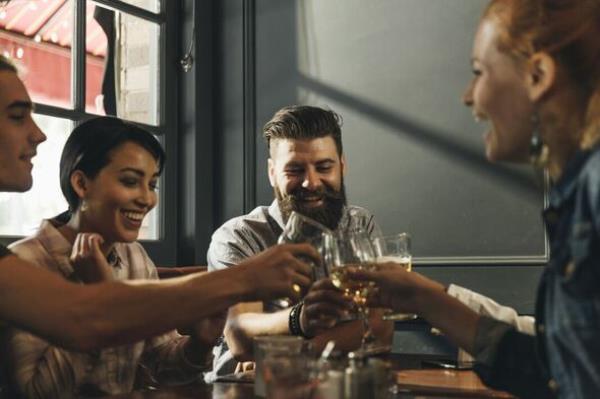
163,249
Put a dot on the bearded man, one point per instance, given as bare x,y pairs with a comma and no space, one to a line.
306,169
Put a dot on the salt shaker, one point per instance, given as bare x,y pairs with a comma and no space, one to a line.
358,378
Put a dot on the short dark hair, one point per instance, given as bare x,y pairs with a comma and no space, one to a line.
89,146
299,122
7,65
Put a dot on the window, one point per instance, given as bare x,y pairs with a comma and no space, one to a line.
81,58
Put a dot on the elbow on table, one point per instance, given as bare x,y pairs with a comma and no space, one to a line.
239,342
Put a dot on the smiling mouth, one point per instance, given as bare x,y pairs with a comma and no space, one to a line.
27,157
312,201
135,217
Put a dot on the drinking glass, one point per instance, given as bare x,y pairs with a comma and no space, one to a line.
290,376
272,346
301,229
354,250
396,249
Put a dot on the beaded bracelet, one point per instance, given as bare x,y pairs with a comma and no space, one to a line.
294,320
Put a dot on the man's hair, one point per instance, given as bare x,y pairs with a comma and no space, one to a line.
299,122
7,65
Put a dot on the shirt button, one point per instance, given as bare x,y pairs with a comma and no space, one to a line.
553,385
569,269
541,329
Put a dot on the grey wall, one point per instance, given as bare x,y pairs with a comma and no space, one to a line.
395,70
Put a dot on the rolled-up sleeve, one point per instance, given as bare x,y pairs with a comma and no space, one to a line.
40,370
488,307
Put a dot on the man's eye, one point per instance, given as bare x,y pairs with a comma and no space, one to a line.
153,186
17,117
324,169
476,72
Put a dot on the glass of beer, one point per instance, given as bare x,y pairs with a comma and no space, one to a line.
395,249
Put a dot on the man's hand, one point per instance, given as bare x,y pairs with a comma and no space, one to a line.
396,288
89,263
277,272
323,306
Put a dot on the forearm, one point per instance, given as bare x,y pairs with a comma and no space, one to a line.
348,335
241,329
107,314
457,321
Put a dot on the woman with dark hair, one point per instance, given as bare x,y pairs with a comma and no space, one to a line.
109,171
87,317
536,66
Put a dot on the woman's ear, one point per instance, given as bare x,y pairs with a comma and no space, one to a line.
541,75
79,182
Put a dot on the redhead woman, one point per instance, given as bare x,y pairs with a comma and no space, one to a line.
536,84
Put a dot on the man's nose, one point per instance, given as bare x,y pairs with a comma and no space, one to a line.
37,136
311,180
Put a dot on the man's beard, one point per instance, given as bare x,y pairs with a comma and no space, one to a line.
328,214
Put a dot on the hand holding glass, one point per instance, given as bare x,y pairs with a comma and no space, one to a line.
301,229
395,249
353,250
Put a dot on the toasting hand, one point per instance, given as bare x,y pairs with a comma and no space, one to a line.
396,288
278,272
323,306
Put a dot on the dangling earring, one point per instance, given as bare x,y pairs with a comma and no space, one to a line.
84,206
538,150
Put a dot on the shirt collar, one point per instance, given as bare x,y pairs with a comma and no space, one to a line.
564,188
60,248
275,213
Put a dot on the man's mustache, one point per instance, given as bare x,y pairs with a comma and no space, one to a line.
326,193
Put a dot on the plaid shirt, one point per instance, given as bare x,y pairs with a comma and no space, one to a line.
42,370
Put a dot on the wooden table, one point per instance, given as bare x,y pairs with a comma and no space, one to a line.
420,384
446,383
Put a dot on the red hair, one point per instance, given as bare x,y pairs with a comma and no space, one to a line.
569,30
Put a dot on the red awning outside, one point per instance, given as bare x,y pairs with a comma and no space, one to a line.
38,34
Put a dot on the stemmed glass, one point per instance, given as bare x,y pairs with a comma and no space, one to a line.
354,250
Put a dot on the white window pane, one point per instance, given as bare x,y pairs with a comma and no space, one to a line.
133,66
21,213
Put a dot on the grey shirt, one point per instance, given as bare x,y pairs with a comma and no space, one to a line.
248,235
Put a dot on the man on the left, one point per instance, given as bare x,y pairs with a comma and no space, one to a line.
86,317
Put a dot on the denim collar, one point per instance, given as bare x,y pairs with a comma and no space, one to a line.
564,188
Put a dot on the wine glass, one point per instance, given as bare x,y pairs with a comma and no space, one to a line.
396,249
354,250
